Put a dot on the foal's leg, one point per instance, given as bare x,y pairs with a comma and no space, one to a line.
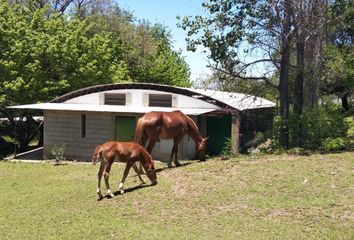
126,171
137,172
99,176
106,178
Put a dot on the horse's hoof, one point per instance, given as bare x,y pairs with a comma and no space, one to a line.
99,196
121,192
178,164
110,194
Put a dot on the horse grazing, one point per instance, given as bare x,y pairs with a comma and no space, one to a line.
168,125
126,152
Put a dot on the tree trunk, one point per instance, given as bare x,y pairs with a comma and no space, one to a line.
298,101
345,104
315,51
299,82
300,58
284,76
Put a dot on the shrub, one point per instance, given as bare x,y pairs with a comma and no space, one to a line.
350,122
226,151
313,127
58,153
267,147
297,151
335,144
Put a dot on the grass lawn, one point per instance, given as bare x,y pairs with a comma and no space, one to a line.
268,197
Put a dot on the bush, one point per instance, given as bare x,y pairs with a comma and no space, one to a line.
311,129
297,151
335,144
58,153
350,122
267,147
226,151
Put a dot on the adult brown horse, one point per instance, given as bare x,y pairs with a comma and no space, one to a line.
174,125
126,152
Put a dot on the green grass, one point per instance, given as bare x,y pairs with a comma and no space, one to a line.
270,197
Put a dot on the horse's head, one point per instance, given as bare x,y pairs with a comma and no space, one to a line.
201,146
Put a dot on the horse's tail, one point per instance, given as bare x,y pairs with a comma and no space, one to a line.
97,154
139,132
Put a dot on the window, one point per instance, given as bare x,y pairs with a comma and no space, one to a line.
83,125
114,98
160,100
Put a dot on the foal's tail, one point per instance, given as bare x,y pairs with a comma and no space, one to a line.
97,154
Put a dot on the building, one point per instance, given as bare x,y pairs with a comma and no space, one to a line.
82,119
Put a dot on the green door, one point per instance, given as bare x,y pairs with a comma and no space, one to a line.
218,130
125,128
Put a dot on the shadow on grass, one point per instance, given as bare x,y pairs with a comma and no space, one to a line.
132,189
182,165
128,190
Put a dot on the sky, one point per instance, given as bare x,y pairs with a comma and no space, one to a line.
165,13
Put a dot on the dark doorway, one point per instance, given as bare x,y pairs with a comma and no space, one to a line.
218,131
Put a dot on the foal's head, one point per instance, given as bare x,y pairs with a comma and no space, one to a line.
148,164
151,174
201,146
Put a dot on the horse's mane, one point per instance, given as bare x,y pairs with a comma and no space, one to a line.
193,127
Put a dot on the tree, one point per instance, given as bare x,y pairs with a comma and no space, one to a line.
146,48
339,52
45,52
264,26
42,57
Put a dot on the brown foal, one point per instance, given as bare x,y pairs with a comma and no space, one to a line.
125,152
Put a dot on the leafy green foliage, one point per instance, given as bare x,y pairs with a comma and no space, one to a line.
145,48
227,148
46,53
45,57
314,127
339,51
335,144
58,152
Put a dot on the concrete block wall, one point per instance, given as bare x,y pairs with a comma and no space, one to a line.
64,129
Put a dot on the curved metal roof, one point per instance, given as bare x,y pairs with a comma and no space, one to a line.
228,101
